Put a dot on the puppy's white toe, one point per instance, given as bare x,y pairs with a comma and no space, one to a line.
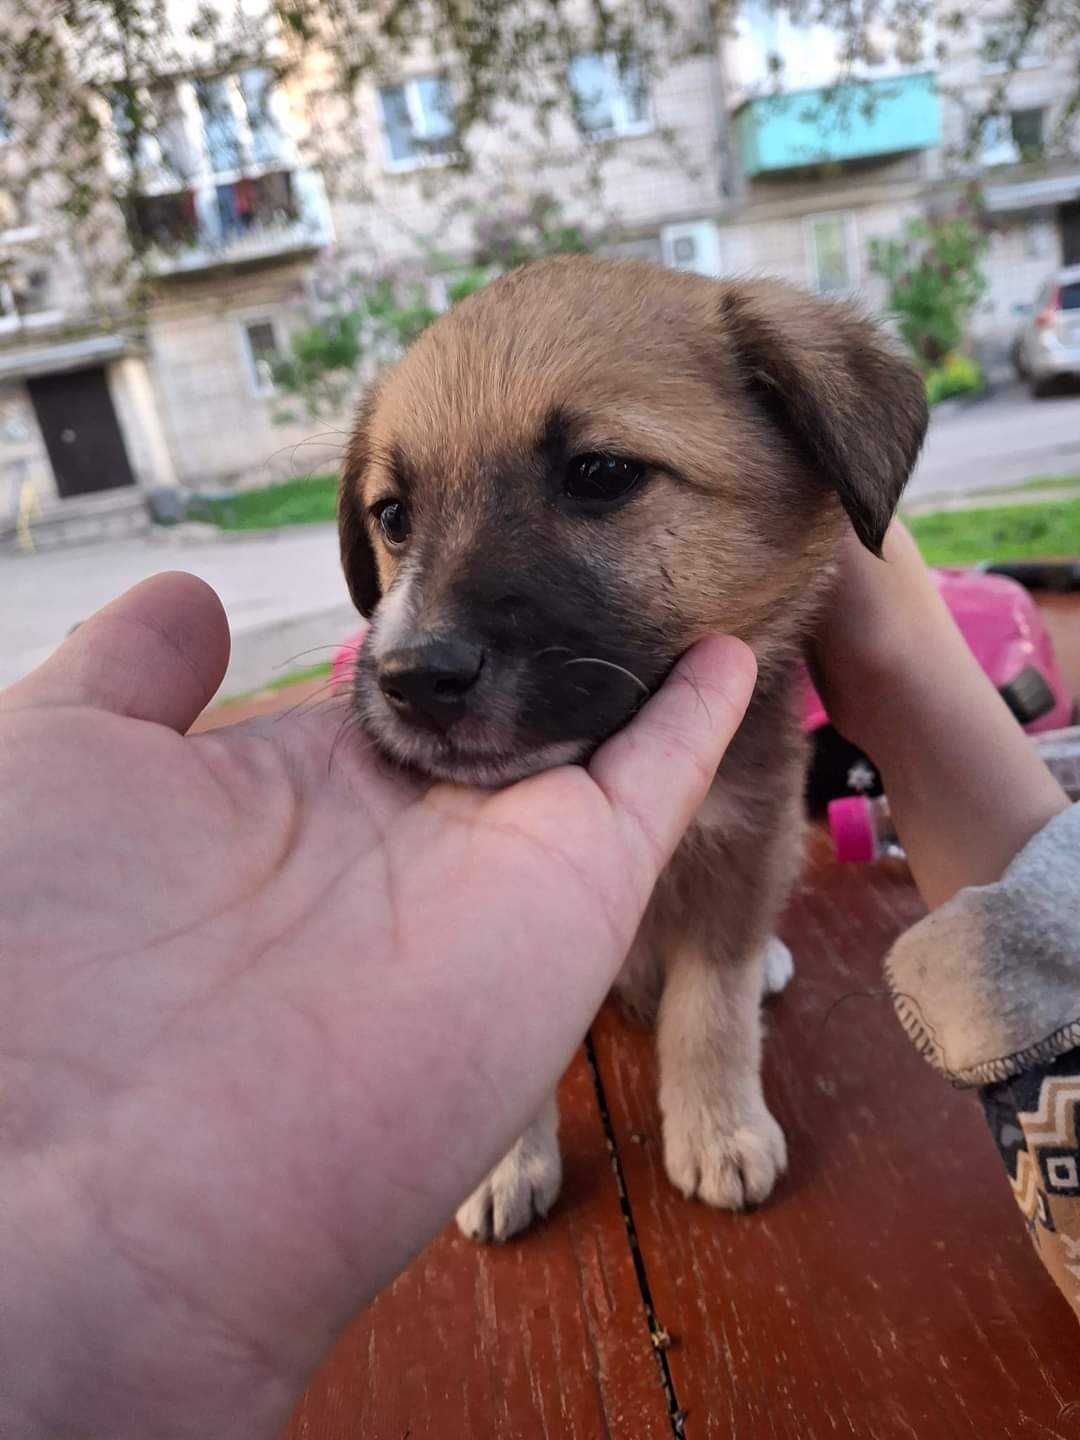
779,966
729,1166
522,1188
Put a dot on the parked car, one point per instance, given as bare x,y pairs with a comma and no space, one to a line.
1047,348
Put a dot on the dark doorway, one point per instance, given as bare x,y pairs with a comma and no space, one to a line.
78,424
1070,233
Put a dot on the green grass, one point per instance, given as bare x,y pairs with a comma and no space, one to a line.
297,677
282,682
306,501
1040,531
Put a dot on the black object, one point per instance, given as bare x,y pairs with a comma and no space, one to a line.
838,769
167,505
1028,695
1059,575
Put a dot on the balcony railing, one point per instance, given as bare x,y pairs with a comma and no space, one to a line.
232,221
854,121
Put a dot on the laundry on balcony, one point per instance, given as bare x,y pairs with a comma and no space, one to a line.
255,203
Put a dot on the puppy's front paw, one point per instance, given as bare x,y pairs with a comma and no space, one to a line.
779,966
522,1188
724,1164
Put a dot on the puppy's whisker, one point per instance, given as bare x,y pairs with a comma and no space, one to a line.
308,701
352,723
610,665
323,703
312,650
342,729
552,650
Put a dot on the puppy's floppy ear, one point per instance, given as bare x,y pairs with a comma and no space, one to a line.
357,556
830,381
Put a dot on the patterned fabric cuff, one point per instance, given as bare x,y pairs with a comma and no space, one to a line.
989,985
1034,1118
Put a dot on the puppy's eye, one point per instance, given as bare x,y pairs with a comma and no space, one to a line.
392,519
600,478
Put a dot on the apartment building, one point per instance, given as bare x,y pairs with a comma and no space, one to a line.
1029,170
232,220
711,170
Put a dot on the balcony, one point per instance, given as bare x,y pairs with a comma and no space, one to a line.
241,220
861,120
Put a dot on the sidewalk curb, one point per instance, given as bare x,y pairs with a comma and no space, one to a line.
263,653
200,532
988,499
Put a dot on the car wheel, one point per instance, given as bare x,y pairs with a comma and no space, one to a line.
1040,386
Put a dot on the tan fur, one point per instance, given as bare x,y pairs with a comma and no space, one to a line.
764,416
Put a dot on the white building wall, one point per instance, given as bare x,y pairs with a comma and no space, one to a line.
220,430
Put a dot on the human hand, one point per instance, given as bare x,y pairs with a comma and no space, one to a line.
883,617
265,1020
966,788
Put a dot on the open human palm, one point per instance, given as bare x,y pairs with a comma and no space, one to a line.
252,1004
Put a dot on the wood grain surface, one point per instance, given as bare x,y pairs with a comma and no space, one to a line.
888,1290
544,1338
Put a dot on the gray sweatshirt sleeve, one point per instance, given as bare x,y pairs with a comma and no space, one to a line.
989,985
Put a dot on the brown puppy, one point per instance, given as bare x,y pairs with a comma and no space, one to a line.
569,479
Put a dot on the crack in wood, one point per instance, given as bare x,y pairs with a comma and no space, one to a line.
658,1334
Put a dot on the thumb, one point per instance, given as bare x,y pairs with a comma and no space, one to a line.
157,653
657,771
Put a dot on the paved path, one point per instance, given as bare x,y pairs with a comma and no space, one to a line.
999,441
274,589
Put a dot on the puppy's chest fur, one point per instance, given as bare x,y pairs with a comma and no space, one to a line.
738,861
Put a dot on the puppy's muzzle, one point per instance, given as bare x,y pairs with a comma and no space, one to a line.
428,683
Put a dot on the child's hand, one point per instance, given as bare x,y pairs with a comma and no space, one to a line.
966,788
882,618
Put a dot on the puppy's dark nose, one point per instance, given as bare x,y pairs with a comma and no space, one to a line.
429,683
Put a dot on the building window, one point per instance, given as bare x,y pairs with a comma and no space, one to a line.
833,263
162,153
418,122
256,96
24,297
997,50
263,353
1009,139
1027,132
609,97
238,122
7,130
221,130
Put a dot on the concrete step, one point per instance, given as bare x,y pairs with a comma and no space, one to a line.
85,520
